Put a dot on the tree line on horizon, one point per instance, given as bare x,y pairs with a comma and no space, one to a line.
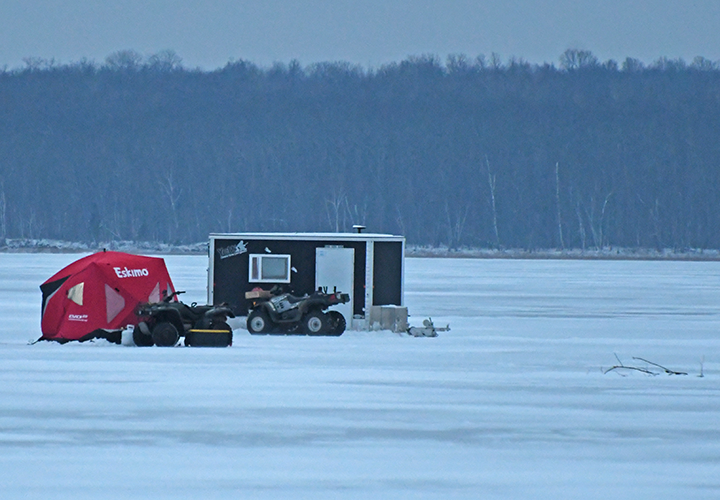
474,152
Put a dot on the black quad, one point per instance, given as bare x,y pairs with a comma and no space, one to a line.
275,312
163,323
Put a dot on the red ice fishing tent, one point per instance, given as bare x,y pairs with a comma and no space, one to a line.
96,296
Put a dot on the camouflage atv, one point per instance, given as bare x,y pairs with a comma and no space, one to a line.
274,312
163,323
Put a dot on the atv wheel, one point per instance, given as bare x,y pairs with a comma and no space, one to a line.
165,334
140,339
316,323
258,322
337,323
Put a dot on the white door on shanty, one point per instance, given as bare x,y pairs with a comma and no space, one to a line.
335,269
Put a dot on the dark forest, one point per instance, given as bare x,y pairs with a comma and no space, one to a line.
465,152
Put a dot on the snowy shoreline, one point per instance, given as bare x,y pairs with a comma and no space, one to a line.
200,248
59,246
568,254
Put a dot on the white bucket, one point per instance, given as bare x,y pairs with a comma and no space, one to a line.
127,336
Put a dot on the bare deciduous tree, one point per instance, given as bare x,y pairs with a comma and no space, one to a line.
173,193
492,179
557,203
573,59
455,224
3,210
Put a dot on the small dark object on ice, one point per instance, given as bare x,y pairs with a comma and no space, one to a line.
427,330
643,370
666,370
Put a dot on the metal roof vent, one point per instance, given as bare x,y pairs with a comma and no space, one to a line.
358,228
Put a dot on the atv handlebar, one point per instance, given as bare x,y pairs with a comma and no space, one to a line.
168,298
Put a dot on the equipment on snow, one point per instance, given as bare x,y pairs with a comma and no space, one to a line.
427,330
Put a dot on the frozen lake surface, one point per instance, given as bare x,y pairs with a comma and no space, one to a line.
511,403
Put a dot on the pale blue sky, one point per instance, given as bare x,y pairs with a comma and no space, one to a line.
209,33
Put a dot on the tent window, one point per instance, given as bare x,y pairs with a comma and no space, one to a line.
155,294
269,268
114,302
76,293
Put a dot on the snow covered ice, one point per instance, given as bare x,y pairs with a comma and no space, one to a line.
511,403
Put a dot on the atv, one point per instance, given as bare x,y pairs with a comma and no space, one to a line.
163,323
273,311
